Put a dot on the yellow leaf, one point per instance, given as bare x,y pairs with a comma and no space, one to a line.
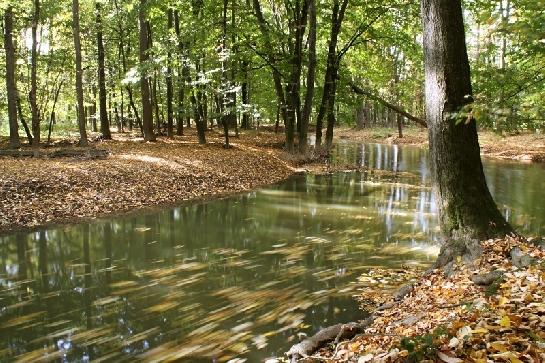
503,301
505,322
480,331
498,346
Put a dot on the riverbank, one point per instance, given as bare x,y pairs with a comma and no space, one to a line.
492,310
133,177
526,147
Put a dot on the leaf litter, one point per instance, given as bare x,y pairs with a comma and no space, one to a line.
450,318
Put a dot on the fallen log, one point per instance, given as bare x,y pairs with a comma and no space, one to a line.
334,333
391,106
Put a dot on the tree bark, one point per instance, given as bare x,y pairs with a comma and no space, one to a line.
147,117
223,100
245,96
311,76
79,75
180,79
104,122
11,87
330,77
34,75
23,121
466,208
170,90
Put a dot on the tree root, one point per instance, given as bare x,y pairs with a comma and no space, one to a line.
334,333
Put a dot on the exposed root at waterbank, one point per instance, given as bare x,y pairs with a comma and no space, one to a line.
492,310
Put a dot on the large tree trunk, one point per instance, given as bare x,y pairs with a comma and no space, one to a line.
34,75
11,89
147,117
104,122
79,74
466,208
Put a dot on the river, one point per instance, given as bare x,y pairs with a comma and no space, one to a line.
236,278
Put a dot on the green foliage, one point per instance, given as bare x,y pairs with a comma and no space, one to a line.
423,346
379,45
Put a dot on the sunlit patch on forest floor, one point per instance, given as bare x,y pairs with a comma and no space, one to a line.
528,147
37,191
458,318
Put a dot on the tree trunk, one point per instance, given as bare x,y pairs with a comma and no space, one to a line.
223,101
180,79
245,96
104,122
331,115
330,78
466,208
311,75
147,117
79,74
34,75
23,121
170,90
11,88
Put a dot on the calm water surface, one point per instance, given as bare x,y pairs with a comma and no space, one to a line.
235,278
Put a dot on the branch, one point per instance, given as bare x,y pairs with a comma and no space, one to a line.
361,29
391,106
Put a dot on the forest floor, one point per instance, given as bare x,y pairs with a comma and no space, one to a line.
135,176
492,310
527,147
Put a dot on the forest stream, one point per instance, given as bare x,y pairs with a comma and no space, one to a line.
239,278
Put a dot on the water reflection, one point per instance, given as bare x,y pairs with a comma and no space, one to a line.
234,277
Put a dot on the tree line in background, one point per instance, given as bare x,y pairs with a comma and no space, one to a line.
159,66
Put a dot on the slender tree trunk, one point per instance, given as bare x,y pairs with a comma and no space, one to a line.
155,104
147,117
23,120
223,97
124,65
311,75
104,122
277,77
11,87
170,91
466,208
79,74
331,115
52,119
34,75
330,77
180,79
245,96
93,109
